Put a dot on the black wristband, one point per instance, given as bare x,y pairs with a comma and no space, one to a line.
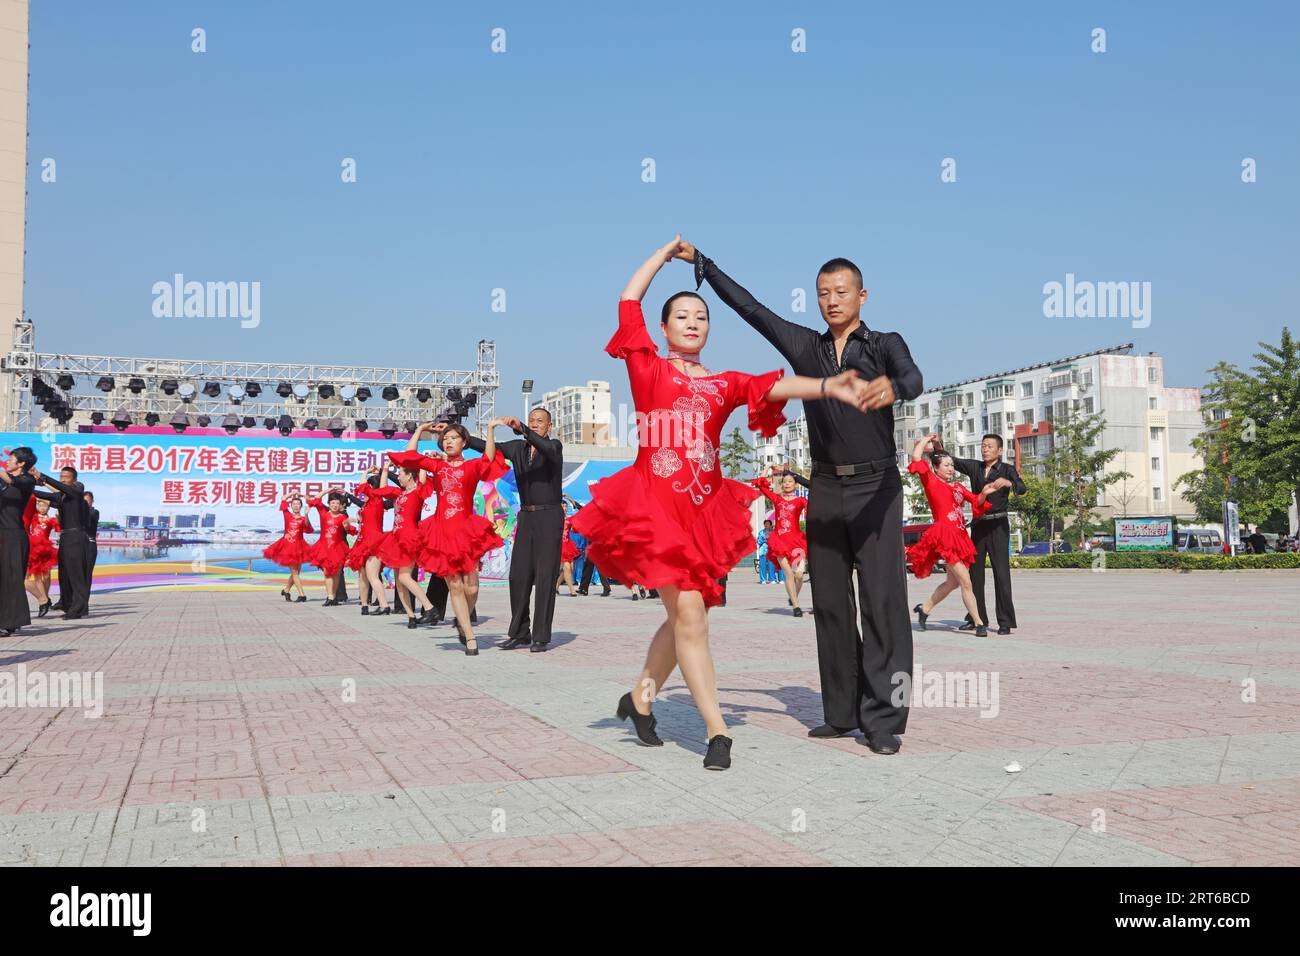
700,260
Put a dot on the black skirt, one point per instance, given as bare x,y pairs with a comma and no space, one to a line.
14,548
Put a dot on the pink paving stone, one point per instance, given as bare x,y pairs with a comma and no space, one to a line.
1232,823
42,784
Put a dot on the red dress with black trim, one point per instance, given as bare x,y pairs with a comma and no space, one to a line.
947,537
402,545
671,519
456,538
331,548
786,539
42,554
372,523
290,549
568,550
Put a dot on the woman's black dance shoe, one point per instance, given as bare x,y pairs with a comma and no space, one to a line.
982,631
286,595
921,616
798,611
43,610
719,753
644,724
471,651
302,599
460,633
365,610
411,622
387,610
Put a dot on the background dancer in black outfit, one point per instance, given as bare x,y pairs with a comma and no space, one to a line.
992,532
69,496
92,539
16,486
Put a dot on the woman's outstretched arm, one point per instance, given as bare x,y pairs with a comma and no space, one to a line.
636,287
845,387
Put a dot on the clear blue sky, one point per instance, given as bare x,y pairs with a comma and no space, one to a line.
523,171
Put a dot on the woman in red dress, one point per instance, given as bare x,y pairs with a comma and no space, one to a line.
786,545
456,537
42,555
331,549
568,550
290,550
671,522
947,537
375,495
401,547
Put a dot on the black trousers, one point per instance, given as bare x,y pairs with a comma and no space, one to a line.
535,566
437,592
993,538
588,569
857,523
14,549
74,572
94,557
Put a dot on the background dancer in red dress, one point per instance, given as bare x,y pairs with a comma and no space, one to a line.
372,496
568,550
786,545
291,549
42,555
947,537
331,548
671,522
400,549
456,538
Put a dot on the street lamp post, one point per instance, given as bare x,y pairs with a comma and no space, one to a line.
528,395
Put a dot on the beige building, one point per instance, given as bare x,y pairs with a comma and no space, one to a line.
581,414
13,179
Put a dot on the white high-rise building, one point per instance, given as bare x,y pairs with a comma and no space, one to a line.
1151,423
788,445
580,414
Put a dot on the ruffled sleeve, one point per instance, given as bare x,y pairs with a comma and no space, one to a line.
764,416
384,491
631,336
284,506
763,485
54,525
363,490
411,460
491,469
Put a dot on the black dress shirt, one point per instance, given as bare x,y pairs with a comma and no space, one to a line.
974,470
14,495
70,500
540,476
92,522
838,434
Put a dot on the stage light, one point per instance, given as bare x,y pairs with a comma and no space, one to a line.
325,391
203,421
63,415
235,393
66,382
252,390
453,394
151,419
284,390
335,427
347,393
121,419
231,424
250,421
285,424
422,395
390,393
311,424
410,426
268,424
361,425
187,392
180,422
169,386
301,392
136,385
97,418
212,390
387,428
471,400
105,383
363,394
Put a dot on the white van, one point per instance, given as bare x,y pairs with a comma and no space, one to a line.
1199,541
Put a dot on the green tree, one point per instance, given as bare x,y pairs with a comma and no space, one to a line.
736,454
1072,477
1043,506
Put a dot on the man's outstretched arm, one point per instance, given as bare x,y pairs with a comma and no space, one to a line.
794,342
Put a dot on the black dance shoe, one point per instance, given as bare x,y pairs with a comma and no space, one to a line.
365,610
6,631
828,730
471,651
286,595
921,616
411,622
43,610
329,602
798,612
1004,630
515,642
427,617
605,593
582,591
968,625
719,755
652,593
643,724
538,647
981,631
883,744
383,611
635,596
302,599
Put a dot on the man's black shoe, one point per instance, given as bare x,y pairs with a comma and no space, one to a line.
967,626
826,730
515,642
538,647
885,744
1004,630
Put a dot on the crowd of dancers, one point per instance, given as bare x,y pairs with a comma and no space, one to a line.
670,526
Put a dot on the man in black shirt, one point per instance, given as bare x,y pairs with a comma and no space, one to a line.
69,496
855,509
538,462
92,535
992,532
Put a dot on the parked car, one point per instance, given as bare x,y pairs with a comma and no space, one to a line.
1036,547
1101,542
1199,541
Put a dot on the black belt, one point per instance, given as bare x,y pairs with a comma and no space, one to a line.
991,517
537,507
823,470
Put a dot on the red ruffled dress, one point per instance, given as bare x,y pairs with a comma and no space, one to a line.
401,546
42,555
290,549
372,523
672,519
947,537
455,537
331,549
786,540
568,550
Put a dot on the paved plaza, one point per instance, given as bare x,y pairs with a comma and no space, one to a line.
1154,718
